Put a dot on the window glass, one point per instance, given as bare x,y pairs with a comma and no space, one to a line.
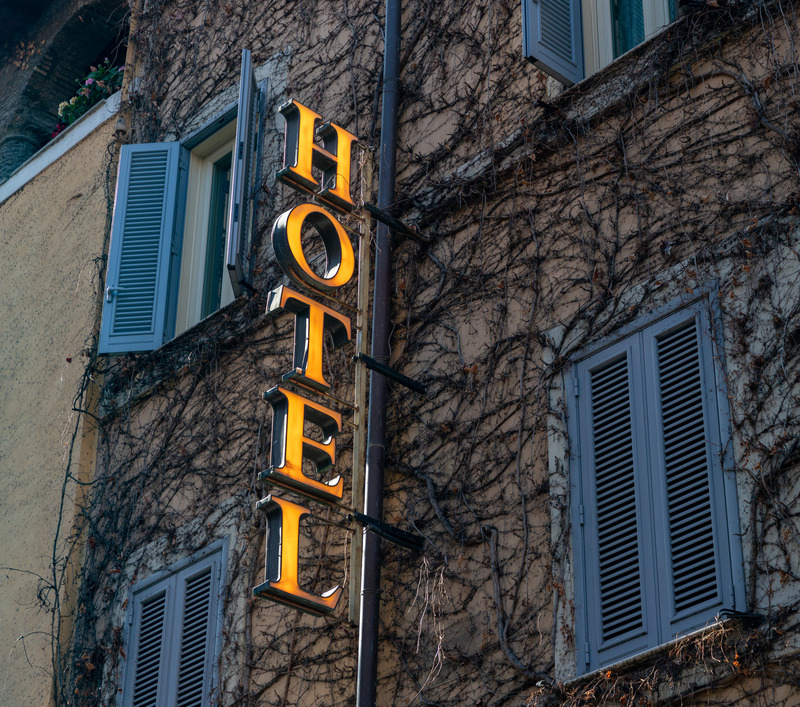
627,20
179,205
217,225
571,39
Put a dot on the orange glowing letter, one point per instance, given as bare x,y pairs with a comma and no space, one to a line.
287,242
283,545
311,321
290,446
301,153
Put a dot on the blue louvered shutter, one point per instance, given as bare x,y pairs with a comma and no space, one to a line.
144,252
196,640
149,647
173,638
240,214
552,37
690,498
617,561
655,541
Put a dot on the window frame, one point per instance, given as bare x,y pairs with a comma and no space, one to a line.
723,494
200,200
214,558
143,335
581,41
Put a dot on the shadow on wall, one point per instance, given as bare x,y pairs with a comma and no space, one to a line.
41,62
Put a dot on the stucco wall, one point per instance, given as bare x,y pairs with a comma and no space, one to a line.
53,231
580,214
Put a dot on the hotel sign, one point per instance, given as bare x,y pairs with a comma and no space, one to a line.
293,413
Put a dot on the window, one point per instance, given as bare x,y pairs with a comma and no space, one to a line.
204,285
654,514
571,39
173,635
183,216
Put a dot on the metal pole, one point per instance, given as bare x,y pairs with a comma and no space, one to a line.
360,392
366,688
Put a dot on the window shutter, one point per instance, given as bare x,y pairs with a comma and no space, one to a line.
174,637
144,252
193,665
687,438
240,215
615,489
655,548
150,650
552,37
616,563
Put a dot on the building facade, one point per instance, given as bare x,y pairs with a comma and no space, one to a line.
594,304
54,216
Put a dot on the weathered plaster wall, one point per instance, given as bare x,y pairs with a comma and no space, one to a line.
52,232
577,216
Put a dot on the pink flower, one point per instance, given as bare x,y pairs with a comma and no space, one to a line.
89,82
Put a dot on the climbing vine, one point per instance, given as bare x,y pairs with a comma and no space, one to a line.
546,222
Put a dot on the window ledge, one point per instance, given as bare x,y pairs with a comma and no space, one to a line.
589,100
644,657
625,76
586,101
60,145
684,672
131,378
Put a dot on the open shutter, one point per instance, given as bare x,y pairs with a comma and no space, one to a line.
240,213
143,253
552,37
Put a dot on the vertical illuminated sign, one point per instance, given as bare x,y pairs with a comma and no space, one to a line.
294,415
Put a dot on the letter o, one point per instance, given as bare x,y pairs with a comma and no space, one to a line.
339,257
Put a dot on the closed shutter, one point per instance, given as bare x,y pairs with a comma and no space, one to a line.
150,650
173,638
552,37
619,572
144,250
240,215
193,664
655,555
690,449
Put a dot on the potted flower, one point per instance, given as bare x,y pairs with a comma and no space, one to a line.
102,81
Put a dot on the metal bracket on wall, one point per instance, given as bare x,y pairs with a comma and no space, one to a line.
397,226
410,541
374,365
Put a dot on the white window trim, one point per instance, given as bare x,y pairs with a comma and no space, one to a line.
213,116
581,40
195,234
141,306
598,42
